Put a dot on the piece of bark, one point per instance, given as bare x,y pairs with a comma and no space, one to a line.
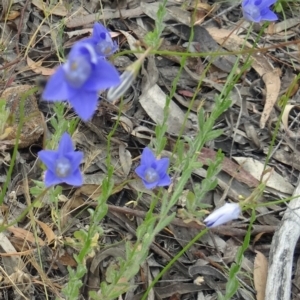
282,252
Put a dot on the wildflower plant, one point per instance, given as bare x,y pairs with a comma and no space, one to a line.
258,10
62,164
152,171
80,79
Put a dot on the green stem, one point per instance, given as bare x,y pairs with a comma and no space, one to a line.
172,261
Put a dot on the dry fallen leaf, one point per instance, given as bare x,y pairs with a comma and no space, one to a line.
180,15
202,11
257,238
67,260
13,262
13,14
25,235
283,26
125,159
150,9
230,167
48,231
272,82
132,41
256,169
260,274
58,9
260,64
285,119
37,67
153,102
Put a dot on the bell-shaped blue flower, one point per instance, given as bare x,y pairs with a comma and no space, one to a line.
258,10
224,214
152,171
62,164
80,79
102,41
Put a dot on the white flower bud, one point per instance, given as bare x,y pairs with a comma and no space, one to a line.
117,92
224,214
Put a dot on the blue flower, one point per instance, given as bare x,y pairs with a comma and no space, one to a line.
152,171
63,164
258,10
102,41
224,214
80,79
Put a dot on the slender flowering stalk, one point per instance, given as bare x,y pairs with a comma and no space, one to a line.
80,79
102,41
62,164
258,10
152,171
224,214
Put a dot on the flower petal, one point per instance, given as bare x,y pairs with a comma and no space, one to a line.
140,171
252,13
75,179
104,75
251,18
98,29
267,3
268,15
147,158
51,179
57,88
164,181
65,145
89,40
149,185
162,166
75,158
84,104
48,157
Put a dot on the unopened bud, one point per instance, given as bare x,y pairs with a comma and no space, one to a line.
224,214
127,78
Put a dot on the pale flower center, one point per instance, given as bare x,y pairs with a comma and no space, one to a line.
63,167
106,45
151,175
77,71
